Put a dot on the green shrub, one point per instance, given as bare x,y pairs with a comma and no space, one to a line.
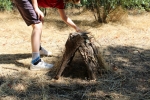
5,5
103,8
136,4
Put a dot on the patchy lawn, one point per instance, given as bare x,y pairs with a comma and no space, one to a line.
125,44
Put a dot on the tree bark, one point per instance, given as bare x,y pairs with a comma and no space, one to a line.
88,51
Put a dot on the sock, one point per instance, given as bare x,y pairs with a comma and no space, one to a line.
35,57
37,61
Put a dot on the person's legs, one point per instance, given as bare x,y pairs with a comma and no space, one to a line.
35,41
37,63
36,36
30,17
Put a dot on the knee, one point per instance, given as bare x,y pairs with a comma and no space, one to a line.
37,26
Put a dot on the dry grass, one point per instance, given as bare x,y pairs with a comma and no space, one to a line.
124,44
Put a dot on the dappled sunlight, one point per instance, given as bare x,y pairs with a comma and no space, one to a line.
124,45
19,87
105,96
9,98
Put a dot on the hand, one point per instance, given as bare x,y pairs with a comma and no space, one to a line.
40,14
78,29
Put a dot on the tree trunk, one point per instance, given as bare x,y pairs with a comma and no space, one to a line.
88,51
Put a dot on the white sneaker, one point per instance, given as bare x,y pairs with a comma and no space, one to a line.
41,66
45,52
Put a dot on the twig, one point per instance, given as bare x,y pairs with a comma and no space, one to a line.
10,68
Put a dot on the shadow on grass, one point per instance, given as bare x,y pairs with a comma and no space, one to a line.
13,59
59,24
130,81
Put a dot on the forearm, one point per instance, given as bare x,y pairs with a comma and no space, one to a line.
35,4
67,20
37,10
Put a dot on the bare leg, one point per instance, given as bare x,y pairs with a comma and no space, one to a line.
36,37
37,63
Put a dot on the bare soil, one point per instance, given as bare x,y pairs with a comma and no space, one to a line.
124,44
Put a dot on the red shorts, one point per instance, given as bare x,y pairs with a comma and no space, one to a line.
28,13
51,3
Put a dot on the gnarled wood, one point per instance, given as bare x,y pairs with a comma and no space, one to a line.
88,51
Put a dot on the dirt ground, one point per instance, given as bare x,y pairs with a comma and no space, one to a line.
125,44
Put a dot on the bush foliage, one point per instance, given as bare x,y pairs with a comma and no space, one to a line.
101,8
129,4
5,5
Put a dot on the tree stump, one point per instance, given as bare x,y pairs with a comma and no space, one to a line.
89,52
